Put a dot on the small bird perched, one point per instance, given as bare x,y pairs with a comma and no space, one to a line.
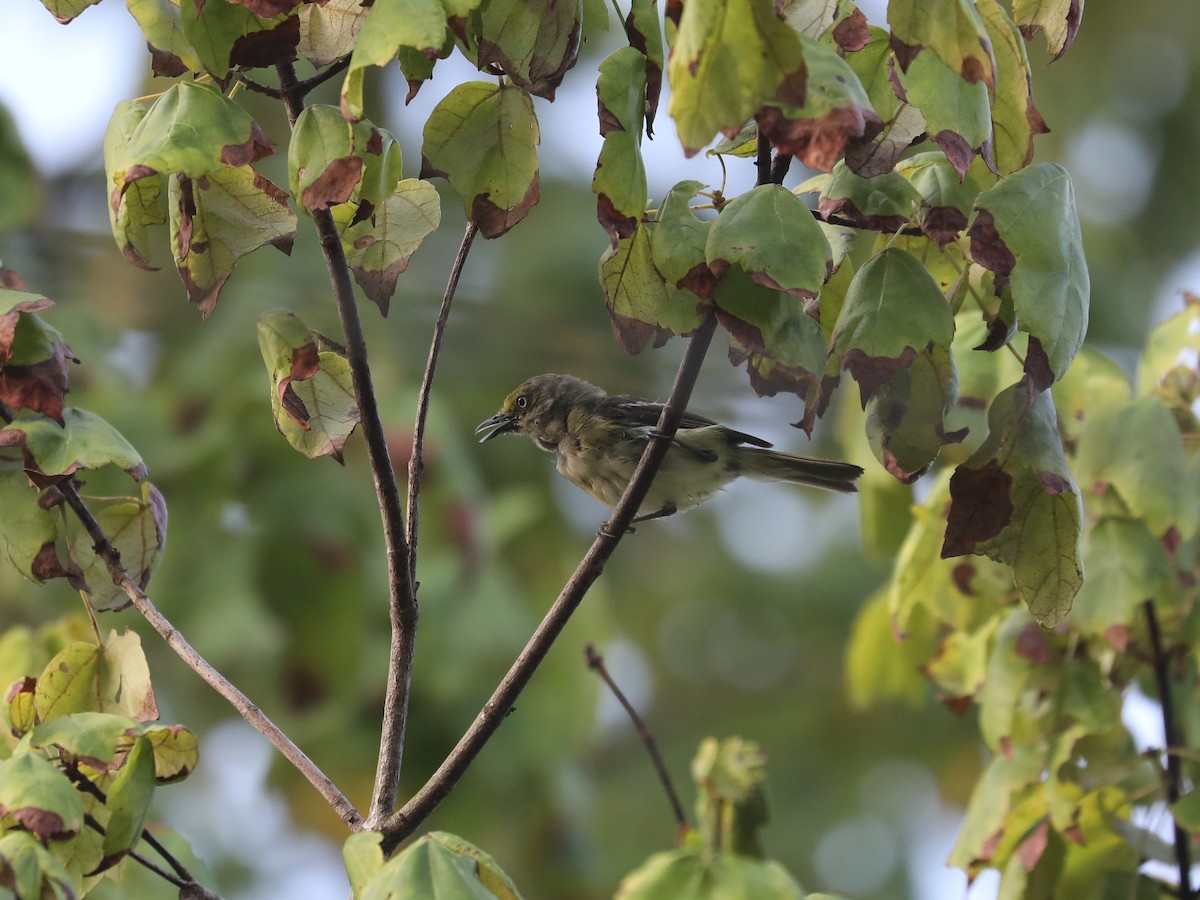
599,439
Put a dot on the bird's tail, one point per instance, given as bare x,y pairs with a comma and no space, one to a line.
771,465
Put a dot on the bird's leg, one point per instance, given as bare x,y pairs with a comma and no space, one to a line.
702,454
667,509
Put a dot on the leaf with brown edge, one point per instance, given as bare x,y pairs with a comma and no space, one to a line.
644,33
1015,120
219,218
137,527
391,26
53,452
314,405
483,138
533,42
379,248
645,311
227,35
677,241
835,111
171,54
39,798
1016,501
1058,18
132,212
946,198
951,29
27,531
620,178
884,203
1026,231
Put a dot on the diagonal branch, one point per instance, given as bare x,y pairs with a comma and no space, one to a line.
169,633
416,462
406,820
402,598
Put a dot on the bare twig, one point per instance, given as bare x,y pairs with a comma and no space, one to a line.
406,820
416,462
1173,736
222,685
302,88
93,823
596,663
402,599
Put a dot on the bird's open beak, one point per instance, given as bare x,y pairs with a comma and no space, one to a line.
500,423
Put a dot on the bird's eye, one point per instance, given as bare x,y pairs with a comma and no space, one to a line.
522,402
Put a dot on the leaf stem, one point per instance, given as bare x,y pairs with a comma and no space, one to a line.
1173,736
416,462
595,662
406,820
222,685
402,598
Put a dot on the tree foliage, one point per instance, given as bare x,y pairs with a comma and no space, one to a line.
1049,565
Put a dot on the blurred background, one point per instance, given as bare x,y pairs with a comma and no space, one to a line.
730,620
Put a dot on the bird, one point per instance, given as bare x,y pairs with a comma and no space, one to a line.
598,439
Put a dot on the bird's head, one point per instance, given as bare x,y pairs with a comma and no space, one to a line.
539,408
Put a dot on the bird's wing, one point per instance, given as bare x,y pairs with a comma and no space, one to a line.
639,413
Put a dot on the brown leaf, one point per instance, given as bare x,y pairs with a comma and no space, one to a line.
852,33
494,221
1031,644
845,207
40,386
942,224
872,372
634,335
1030,850
254,148
334,185
617,225
818,143
267,48
989,250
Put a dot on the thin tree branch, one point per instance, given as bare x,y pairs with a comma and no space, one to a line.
302,88
1173,735
762,161
406,820
595,662
93,823
416,461
402,598
222,685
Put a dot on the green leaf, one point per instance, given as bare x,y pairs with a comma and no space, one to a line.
1015,120
190,130
226,35
85,441
883,203
533,42
129,797
171,53
620,180
483,137
727,62
218,219
1026,230
85,678
956,112
644,32
772,236
893,312
329,31
418,25
634,294
378,249
332,162
946,197
27,530
1137,449
363,857
1016,502
440,865
1093,383
134,210
1059,19
902,123
175,752
1126,565
312,396
37,797
951,29
66,10
731,807
694,874
137,527
992,800
678,240
94,738
31,870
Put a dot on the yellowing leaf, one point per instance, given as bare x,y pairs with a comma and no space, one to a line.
951,29
533,42
1015,120
1059,18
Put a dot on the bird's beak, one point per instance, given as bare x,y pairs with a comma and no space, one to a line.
500,423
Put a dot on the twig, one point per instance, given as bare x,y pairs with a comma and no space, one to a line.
93,823
406,820
907,231
416,462
762,161
595,662
222,685
402,599
1173,736
302,88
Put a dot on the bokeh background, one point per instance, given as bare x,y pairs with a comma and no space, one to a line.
731,620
